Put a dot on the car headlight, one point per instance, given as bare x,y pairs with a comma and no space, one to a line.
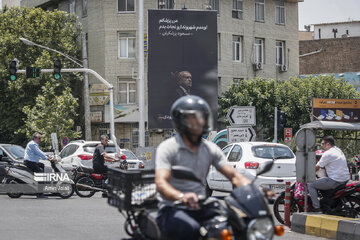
261,228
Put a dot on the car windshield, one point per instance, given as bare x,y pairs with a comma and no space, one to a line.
91,148
270,152
129,155
16,151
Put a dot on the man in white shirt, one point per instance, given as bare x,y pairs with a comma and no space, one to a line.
334,162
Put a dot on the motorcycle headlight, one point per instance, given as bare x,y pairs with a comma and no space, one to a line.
261,228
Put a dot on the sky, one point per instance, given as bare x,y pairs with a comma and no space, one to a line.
326,11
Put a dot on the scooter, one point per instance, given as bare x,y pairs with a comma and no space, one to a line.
20,180
243,214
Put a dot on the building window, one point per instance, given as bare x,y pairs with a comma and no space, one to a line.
214,4
126,5
237,9
72,6
166,4
219,46
127,91
280,53
260,10
259,50
280,11
319,33
84,8
126,45
135,136
237,48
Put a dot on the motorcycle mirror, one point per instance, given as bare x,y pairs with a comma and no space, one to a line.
185,173
265,167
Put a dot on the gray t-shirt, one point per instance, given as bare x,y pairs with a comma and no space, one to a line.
173,152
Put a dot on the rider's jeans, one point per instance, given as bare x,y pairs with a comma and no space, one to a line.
182,224
321,184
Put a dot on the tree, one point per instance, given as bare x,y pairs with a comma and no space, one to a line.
55,29
293,96
255,92
51,113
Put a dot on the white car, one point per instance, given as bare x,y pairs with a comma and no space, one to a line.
246,157
80,153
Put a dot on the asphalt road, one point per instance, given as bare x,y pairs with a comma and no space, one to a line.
75,218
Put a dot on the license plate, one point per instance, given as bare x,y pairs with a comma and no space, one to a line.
131,165
277,187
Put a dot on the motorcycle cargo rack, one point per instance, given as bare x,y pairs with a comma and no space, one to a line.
129,190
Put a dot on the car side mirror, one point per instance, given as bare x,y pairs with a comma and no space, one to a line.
184,173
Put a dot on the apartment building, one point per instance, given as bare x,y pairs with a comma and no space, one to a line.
256,38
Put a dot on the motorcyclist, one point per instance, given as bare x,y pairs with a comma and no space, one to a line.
100,156
191,116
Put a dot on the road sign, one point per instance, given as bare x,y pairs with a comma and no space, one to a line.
287,134
65,141
245,116
240,134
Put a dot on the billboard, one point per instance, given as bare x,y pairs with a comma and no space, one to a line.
342,110
182,59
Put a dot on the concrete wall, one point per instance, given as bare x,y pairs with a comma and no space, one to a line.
337,56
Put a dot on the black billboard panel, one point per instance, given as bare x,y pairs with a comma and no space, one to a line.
182,59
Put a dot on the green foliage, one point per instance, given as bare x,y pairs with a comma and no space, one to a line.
293,96
52,113
54,29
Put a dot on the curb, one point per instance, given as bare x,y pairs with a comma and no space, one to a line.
327,226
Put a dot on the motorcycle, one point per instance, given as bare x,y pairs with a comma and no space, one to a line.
87,183
342,201
20,180
243,214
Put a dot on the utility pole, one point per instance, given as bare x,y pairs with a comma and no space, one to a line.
86,100
275,126
141,75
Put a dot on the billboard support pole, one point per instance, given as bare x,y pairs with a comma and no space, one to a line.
141,85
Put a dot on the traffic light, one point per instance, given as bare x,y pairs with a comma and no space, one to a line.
13,70
281,119
57,69
33,72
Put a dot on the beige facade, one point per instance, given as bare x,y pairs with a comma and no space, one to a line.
104,26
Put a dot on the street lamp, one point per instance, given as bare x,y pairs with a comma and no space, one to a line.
30,43
86,91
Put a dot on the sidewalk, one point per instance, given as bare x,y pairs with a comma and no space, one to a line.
327,226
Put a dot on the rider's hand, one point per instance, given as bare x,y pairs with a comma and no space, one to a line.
269,193
191,200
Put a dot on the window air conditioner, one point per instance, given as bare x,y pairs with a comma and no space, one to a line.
283,68
258,66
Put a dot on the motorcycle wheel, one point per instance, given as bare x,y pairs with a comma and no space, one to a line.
68,192
352,207
84,192
13,194
279,208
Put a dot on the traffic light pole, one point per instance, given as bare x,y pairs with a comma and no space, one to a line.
95,74
275,126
